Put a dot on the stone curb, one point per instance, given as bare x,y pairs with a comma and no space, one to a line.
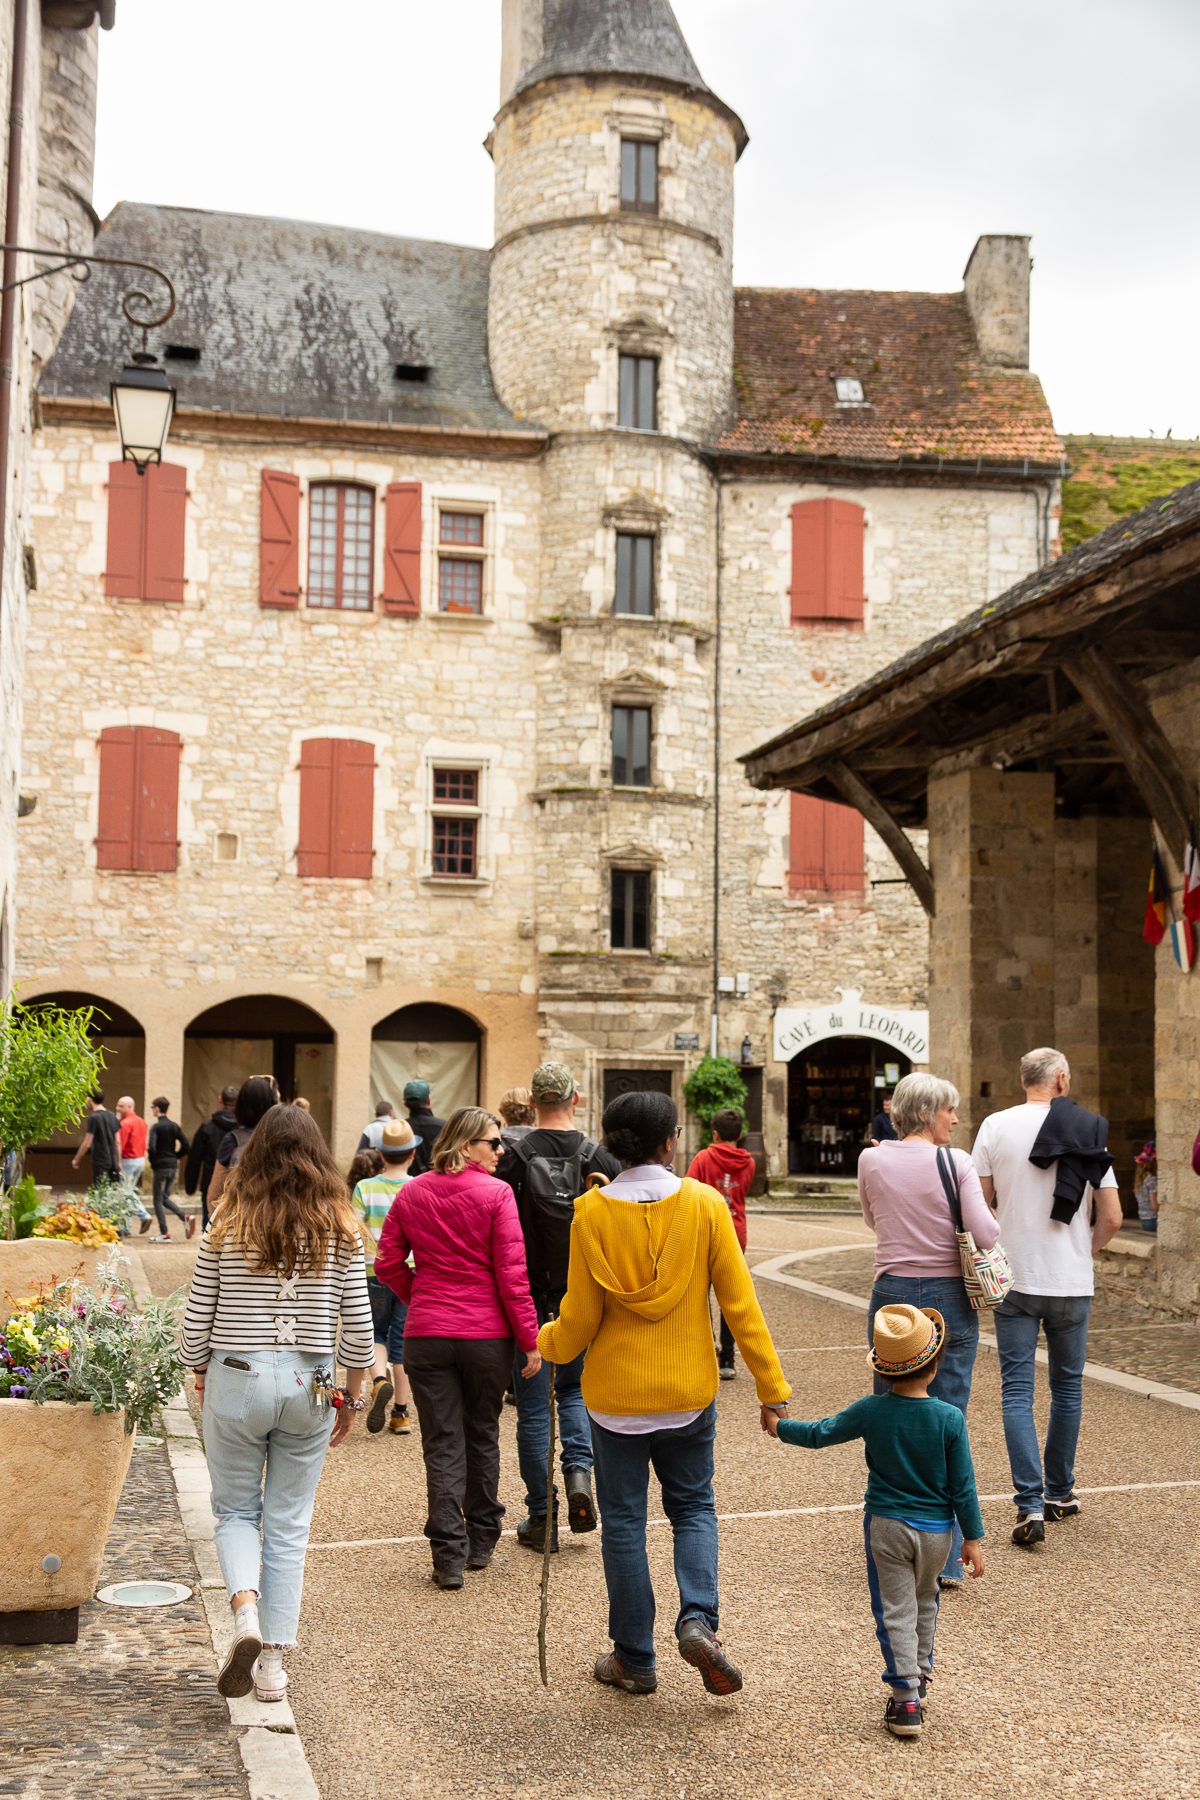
272,1754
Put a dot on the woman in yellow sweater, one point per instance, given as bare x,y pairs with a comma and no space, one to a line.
644,1251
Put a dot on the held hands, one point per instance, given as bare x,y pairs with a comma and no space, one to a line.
972,1556
769,1417
533,1363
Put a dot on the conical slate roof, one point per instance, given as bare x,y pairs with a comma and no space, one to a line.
619,37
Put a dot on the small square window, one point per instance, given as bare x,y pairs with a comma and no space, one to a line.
639,176
849,391
460,584
456,787
631,746
454,847
374,971
227,846
637,393
630,915
635,574
462,528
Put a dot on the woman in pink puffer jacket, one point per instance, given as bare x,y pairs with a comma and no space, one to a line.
468,1299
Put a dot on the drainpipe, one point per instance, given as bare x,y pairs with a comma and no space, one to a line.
716,874
12,232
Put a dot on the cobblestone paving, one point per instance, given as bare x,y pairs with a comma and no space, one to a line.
1121,1336
132,1709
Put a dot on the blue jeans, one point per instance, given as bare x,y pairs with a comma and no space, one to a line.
388,1315
952,1383
683,1462
266,1414
533,1421
1064,1319
131,1180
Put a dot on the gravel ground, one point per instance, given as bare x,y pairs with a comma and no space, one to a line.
1059,1673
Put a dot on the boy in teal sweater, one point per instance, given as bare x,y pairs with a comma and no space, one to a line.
920,1480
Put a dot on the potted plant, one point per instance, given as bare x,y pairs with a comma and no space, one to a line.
716,1082
81,1368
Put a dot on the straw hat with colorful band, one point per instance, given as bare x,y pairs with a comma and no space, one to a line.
906,1338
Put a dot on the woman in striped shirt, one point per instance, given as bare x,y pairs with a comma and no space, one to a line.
279,1268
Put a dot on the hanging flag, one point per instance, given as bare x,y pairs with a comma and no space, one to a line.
1183,943
1191,878
1157,902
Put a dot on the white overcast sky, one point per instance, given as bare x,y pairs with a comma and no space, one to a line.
884,137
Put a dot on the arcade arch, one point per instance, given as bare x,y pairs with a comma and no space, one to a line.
123,1039
427,1042
835,1085
259,1034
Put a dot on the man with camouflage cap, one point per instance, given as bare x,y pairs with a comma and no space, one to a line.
546,1170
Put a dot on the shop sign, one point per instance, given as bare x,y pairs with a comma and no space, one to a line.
796,1027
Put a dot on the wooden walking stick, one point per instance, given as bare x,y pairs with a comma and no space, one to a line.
547,1541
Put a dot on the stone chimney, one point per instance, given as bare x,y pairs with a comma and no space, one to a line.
521,40
996,280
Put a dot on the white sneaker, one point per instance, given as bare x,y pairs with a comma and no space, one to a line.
234,1679
269,1678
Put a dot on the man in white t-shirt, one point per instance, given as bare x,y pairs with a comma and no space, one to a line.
1052,1288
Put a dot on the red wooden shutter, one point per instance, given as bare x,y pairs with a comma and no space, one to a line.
156,799
402,549
126,533
843,848
165,506
279,541
313,852
827,560
825,845
353,808
114,824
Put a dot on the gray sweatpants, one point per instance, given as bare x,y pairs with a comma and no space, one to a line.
903,1565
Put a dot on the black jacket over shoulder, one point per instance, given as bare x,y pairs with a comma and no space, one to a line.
203,1158
1077,1140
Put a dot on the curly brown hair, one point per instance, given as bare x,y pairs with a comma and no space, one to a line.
366,1163
285,1203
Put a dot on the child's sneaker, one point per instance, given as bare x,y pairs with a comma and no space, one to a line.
400,1424
904,1718
1057,1510
1029,1530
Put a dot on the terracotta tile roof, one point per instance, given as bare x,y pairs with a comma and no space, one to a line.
929,393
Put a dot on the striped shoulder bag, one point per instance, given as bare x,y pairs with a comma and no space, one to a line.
987,1274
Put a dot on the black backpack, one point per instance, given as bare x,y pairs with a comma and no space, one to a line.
552,1184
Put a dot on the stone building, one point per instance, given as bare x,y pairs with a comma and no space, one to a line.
406,700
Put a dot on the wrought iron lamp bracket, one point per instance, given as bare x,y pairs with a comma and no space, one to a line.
77,265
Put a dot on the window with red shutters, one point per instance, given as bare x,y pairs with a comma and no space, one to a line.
827,560
340,545
146,514
279,539
137,822
825,845
402,550
337,801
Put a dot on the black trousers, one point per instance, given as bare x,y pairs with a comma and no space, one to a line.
458,1385
164,1181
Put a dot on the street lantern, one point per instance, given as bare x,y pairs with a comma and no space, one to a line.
143,401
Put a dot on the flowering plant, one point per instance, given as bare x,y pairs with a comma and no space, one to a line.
79,1224
92,1345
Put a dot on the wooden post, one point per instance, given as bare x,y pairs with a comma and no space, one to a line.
1121,707
856,791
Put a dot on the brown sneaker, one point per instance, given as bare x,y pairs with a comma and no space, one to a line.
634,1681
381,1392
702,1648
400,1422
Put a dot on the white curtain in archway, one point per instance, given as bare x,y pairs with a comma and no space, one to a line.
209,1064
452,1071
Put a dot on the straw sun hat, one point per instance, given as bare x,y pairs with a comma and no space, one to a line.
906,1338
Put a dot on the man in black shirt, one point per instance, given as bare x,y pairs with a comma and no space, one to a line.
546,1170
202,1159
101,1141
882,1129
424,1122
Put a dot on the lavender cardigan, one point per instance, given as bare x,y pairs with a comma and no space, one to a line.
904,1202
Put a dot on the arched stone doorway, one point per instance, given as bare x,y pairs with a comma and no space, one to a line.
123,1042
426,1042
258,1034
832,1098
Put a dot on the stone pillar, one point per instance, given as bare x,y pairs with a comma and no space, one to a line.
991,953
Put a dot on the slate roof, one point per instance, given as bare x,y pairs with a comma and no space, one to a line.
929,392
292,318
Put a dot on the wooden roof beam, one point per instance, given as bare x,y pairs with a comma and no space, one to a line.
854,789
1121,708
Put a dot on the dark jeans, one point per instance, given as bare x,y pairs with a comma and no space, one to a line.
164,1181
1064,1319
533,1418
952,1383
683,1462
388,1313
458,1385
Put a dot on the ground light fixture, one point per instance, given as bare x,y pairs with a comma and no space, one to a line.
144,1593
143,401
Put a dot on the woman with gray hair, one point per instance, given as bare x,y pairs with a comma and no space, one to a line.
916,1247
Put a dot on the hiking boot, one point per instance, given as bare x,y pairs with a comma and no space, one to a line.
904,1718
479,1557
381,1397
400,1423
726,1368
447,1578
1029,1530
702,1648
234,1680
1058,1510
531,1532
581,1508
634,1681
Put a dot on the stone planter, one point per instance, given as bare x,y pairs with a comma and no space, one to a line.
62,1468
24,1262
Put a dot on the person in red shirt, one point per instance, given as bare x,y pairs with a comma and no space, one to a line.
724,1165
131,1148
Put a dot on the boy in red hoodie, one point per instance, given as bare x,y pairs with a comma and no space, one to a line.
730,1169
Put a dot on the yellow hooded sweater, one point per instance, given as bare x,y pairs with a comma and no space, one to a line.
637,1302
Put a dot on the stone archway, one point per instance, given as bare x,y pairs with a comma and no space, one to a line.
832,1088
427,1042
123,1040
258,1034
